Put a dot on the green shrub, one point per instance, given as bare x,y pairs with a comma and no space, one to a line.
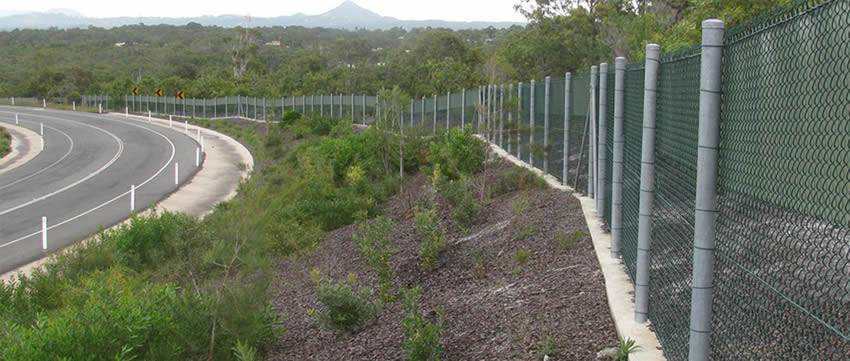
465,206
458,153
515,179
344,306
422,338
112,317
289,118
373,241
5,142
433,237
147,239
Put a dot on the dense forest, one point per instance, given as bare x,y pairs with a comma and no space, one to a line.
562,35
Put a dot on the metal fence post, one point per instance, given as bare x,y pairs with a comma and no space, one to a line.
602,142
434,126
617,161
422,111
531,119
546,125
448,110
519,123
510,116
591,158
568,77
705,217
463,108
647,183
501,115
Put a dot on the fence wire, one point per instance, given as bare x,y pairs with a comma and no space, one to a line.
783,235
632,136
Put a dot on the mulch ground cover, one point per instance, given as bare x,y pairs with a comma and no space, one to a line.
492,307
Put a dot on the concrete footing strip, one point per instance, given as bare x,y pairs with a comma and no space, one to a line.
225,165
25,146
618,285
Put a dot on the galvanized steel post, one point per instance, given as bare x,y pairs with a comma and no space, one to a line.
501,115
531,124
705,217
547,83
591,158
463,108
434,126
647,183
602,142
448,109
617,161
566,167
519,123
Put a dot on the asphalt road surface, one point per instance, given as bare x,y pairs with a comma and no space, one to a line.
81,180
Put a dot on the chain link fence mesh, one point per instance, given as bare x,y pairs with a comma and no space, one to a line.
783,235
632,136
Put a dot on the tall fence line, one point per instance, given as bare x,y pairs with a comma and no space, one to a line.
722,172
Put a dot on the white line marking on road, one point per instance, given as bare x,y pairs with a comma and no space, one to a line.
104,204
79,181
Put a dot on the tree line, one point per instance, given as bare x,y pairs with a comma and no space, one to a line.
203,61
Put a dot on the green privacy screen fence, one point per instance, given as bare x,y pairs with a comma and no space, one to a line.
780,231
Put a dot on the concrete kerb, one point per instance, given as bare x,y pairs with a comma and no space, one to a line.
618,285
24,147
217,145
198,196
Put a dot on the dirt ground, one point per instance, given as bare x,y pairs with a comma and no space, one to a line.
493,309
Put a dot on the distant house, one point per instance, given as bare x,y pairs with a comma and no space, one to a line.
273,43
120,45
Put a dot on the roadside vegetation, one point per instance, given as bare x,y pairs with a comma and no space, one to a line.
169,287
5,142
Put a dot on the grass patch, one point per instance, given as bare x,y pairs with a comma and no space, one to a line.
516,179
568,241
548,347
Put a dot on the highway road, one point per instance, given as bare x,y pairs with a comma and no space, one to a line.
81,180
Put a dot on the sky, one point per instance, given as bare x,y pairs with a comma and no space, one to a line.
455,10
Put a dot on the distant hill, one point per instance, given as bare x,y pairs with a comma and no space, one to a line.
348,15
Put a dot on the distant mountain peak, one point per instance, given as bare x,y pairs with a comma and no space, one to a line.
349,9
348,15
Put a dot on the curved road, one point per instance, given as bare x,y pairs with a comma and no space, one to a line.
81,181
